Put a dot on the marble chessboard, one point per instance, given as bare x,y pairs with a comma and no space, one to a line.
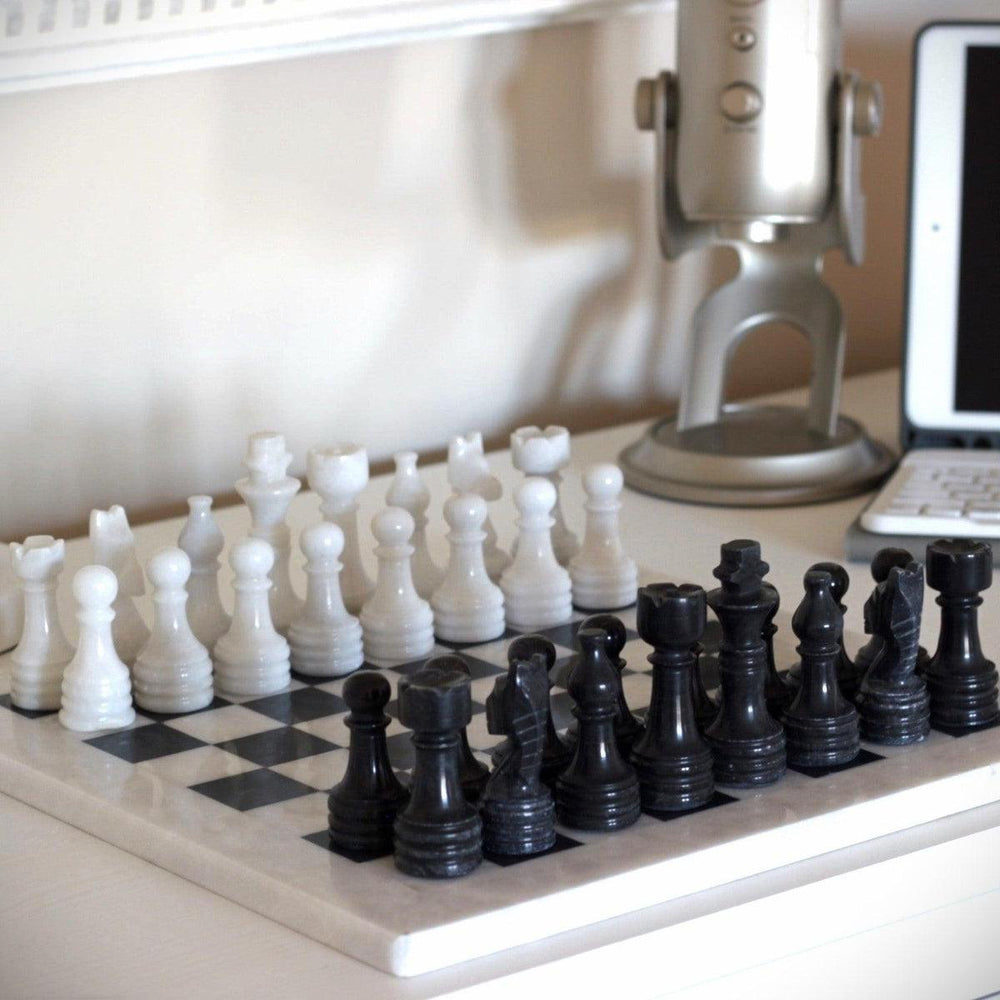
234,798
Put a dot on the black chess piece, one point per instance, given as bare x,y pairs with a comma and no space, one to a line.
706,708
847,675
627,727
893,704
472,774
961,681
777,694
439,833
821,725
364,805
599,790
557,754
748,743
672,761
517,810
882,562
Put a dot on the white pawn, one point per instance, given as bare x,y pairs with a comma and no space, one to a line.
202,541
536,589
96,688
41,656
325,640
408,491
468,606
113,545
469,472
604,577
339,474
173,671
11,607
267,492
397,622
537,452
251,658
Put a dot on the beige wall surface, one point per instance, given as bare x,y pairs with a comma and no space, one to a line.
387,246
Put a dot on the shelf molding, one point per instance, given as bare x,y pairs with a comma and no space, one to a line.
49,43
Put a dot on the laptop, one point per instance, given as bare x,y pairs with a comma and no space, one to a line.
948,481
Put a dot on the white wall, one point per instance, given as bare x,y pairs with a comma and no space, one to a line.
388,246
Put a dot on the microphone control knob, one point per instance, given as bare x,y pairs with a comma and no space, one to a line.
741,102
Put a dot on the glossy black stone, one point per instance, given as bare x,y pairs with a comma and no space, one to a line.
599,790
517,810
277,746
146,742
556,754
748,743
671,760
961,681
363,807
253,789
627,727
821,725
438,834
893,703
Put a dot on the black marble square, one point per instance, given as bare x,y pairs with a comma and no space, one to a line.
301,705
565,635
277,746
216,702
322,839
863,757
252,789
145,742
563,843
952,731
717,799
28,713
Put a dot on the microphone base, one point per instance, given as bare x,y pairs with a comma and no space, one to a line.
756,456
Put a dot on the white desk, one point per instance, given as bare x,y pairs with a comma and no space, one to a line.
912,912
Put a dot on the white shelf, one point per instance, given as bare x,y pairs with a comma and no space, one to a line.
48,43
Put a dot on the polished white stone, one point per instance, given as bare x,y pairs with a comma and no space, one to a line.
113,545
173,671
11,607
408,490
267,491
38,662
325,639
202,540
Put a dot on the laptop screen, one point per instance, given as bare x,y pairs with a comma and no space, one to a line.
977,362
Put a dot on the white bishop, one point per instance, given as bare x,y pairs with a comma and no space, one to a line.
201,538
409,491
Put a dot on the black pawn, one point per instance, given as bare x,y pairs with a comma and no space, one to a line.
882,562
961,682
821,725
472,774
556,755
672,761
439,833
518,811
748,743
776,692
893,703
599,790
364,805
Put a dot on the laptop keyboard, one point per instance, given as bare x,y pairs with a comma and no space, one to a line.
939,492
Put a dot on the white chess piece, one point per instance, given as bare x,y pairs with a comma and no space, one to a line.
96,688
201,538
469,472
537,452
396,621
113,545
11,607
536,589
251,658
409,491
325,640
173,671
339,474
604,577
37,665
468,606
267,491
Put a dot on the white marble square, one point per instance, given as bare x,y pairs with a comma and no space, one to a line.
334,728
321,770
194,766
300,816
226,723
